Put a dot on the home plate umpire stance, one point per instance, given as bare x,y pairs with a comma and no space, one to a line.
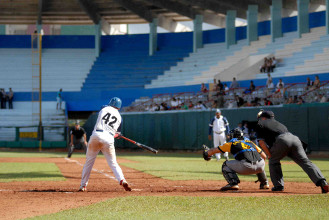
277,142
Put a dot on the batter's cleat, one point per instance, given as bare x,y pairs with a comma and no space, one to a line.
264,186
125,185
229,187
324,187
278,189
82,189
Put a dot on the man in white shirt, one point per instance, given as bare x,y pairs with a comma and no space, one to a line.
279,84
219,127
108,126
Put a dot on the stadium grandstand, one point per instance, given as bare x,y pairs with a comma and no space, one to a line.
155,55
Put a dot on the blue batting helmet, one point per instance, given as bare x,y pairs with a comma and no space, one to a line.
115,102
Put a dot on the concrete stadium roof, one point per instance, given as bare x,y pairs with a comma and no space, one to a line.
106,12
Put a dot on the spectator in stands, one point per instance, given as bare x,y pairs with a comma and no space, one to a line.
267,102
290,100
226,88
255,102
180,102
269,84
214,104
234,84
268,65
183,106
10,96
251,88
59,99
164,106
309,83
262,68
316,83
220,86
239,101
280,84
173,103
3,97
190,105
220,99
322,98
274,62
156,107
204,88
200,105
300,101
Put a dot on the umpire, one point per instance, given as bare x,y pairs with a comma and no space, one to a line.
78,139
277,142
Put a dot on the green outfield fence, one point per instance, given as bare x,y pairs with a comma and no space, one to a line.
188,130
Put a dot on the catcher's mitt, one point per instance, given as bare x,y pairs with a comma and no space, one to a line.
205,153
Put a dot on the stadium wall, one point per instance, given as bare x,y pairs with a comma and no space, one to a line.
188,130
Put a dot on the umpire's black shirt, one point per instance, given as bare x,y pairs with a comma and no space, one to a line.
78,133
269,129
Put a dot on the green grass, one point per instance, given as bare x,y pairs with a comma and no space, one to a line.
141,207
193,167
29,172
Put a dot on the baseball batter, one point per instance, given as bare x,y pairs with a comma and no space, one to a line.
219,128
249,159
107,128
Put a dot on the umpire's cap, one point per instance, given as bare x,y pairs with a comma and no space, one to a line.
115,102
265,114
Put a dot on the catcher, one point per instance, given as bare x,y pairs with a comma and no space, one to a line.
249,159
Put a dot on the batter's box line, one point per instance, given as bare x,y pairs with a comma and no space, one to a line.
95,170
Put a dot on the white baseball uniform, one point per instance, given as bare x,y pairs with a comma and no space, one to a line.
102,139
218,126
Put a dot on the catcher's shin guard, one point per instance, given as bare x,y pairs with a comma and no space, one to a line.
230,175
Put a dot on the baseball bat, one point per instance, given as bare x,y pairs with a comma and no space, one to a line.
145,147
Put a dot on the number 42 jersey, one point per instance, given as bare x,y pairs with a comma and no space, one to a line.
107,124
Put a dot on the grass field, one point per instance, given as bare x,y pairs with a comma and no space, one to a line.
288,207
178,166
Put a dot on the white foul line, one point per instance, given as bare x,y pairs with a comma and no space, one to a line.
98,171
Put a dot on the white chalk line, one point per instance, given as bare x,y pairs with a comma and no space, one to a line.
93,169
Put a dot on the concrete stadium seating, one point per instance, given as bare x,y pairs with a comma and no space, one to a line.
61,68
130,69
53,121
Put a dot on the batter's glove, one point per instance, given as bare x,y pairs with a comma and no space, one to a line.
117,135
205,153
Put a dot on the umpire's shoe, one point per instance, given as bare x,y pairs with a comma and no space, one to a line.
324,187
277,189
229,187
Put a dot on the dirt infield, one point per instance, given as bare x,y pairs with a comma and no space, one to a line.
28,199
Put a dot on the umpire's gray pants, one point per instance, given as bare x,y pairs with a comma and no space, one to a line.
246,168
289,145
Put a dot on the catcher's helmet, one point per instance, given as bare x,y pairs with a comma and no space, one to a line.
236,133
115,102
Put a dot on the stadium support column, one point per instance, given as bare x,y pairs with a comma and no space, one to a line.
197,33
302,19
230,28
39,28
97,39
327,16
153,40
276,19
252,29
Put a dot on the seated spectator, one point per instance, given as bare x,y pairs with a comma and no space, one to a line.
316,83
220,86
322,98
164,106
179,101
183,106
280,83
268,65
226,88
309,83
255,102
274,62
262,68
300,101
251,88
234,84
204,88
174,103
190,105
267,102
214,104
290,100
239,101
200,105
